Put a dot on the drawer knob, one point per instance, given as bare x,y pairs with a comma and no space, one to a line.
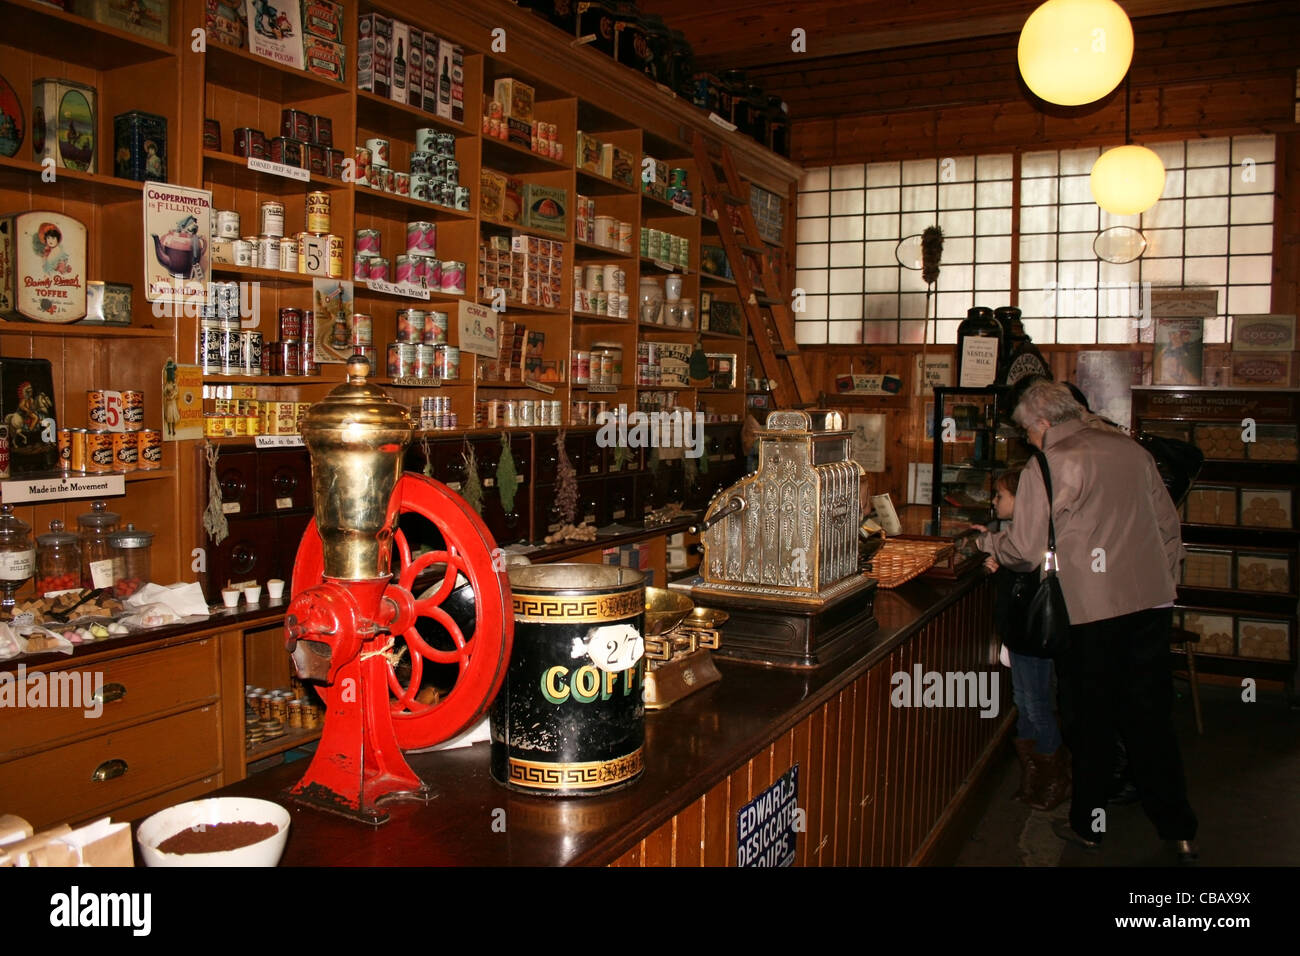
108,770
111,692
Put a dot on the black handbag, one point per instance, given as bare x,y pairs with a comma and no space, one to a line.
1047,625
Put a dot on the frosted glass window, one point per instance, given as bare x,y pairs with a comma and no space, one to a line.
945,331
920,171
814,307
846,228
882,200
879,333
1251,269
1247,240
807,332
815,179
992,278
1163,242
1209,212
957,196
1207,242
845,203
1208,152
880,305
960,249
846,254
1163,271
848,177
958,224
954,303
883,253
1251,209
1253,179
989,195
915,223
884,227
1040,330
1249,300
912,332
911,305
1208,270
1037,219
919,197
813,204
1039,164
883,174
1164,214
1259,149
994,167
812,230
1209,181
845,307
813,256
845,333
846,280
812,280
1076,189
883,279
1038,192
993,222
1078,218
1076,330
993,249
1077,245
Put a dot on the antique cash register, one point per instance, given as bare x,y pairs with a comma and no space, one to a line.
781,548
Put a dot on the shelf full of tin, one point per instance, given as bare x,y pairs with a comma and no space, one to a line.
127,72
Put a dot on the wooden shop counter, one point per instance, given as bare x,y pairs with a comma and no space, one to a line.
877,783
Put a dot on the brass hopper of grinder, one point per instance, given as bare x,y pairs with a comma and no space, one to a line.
678,638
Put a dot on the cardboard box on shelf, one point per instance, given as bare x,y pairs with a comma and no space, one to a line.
375,54
516,98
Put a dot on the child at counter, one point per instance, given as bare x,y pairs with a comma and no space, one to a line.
1044,767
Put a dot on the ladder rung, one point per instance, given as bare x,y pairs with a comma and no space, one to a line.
785,353
732,199
765,299
751,249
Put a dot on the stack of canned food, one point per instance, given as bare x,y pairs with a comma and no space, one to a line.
434,176
665,247
607,231
421,350
588,412
312,251
419,266
434,413
517,412
240,417
601,290
306,141
602,364
116,439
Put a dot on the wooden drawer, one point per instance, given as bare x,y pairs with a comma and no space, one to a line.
60,784
137,686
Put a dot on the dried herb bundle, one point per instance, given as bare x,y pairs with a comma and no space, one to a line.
931,253
507,477
566,482
214,519
473,489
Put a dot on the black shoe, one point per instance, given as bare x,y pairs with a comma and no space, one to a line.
1126,795
1188,852
1067,833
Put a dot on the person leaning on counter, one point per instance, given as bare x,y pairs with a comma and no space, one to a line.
1118,547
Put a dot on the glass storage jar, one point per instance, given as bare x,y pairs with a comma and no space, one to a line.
131,549
97,559
58,560
17,556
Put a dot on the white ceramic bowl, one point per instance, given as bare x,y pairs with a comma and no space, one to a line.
167,823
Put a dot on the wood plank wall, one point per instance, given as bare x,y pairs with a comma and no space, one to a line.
877,783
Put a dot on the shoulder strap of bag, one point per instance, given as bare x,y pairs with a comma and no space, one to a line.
1051,524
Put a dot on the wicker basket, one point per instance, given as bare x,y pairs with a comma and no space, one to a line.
898,561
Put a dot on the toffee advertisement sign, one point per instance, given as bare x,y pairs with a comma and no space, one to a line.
767,826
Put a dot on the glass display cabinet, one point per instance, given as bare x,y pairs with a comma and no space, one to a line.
972,446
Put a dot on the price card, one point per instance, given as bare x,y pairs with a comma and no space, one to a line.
283,503
278,169
397,288
615,647
103,574
230,507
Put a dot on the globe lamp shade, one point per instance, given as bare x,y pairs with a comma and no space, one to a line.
1073,52
1127,180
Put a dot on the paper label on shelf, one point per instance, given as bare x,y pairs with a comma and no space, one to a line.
919,482
602,389
453,485
17,491
103,574
278,441
666,266
615,647
397,288
279,169
979,361
539,387
230,507
412,381
283,503
689,210
17,565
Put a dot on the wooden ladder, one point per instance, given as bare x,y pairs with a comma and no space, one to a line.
767,309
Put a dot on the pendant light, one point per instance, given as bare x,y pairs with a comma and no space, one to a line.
1073,52
1128,179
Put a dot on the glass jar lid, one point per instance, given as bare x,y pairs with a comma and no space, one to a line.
129,537
13,530
99,517
56,537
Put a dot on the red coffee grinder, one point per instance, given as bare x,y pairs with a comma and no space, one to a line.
363,632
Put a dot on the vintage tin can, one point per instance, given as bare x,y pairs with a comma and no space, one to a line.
288,152
410,325
402,269
318,212
65,449
126,452
580,366
424,361
388,179
133,410
268,252
402,183
251,348
435,328
426,139
461,198
569,719
209,346
228,223
149,448
212,135
295,124
421,186
99,451
77,453
360,268
379,268
378,147
250,142
273,218
242,250
401,359
335,169
362,329
96,408
232,352
446,362
421,236
288,254
291,353
318,160
290,324
322,131
334,251
453,277
368,242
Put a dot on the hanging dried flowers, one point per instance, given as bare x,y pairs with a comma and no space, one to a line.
566,482
507,477
473,492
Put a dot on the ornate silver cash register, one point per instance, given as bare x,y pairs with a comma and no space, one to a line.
781,548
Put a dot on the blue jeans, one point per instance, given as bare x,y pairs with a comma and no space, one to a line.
1031,687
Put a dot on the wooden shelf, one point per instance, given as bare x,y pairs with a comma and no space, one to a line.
50,32
20,174
530,309
273,276
236,69
662,207
369,198
496,383
232,168
400,120
278,745
269,379
77,330
584,251
524,230
732,336
360,289
510,158
596,317
716,280
594,184
656,327
659,264
445,383
150,475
